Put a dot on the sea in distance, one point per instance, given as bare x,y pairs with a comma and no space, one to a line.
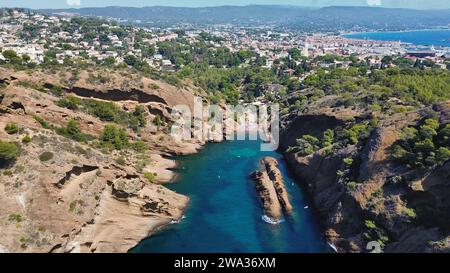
435,37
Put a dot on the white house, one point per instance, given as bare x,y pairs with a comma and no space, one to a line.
166,62
157,57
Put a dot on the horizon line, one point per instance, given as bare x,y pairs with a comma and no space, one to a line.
219,6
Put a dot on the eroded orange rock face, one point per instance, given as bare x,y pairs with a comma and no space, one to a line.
81,199
345,210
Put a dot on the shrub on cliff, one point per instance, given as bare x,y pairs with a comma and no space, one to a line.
42,122
12,58
121,160
348,161
113,137
26,139
46,156
150,176
308,145
56,90
357,132
72,131
374,233
106,111
444,136
9,54
443,155
11,128
8,151
328,138
15,217
70,102
137,118
140,113
139,146
159,121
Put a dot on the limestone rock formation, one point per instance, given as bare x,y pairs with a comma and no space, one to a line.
271,189
78,198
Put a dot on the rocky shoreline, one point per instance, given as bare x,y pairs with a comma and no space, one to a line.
271,190
81,199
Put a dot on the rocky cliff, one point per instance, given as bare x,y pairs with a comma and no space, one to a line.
63,195
361,193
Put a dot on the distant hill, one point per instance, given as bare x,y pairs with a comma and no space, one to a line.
163,16
329,18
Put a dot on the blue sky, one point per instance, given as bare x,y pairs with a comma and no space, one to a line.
420,4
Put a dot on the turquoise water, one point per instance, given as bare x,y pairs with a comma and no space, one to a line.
224,214
419,37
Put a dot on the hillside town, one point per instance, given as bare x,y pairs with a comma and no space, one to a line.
63,38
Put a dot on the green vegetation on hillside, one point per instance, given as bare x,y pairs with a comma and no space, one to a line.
107,111
424,147
42,122
8,151
72,131
46,156
114,137
12,128
352,134
150,176
410,85
26,139
374,233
